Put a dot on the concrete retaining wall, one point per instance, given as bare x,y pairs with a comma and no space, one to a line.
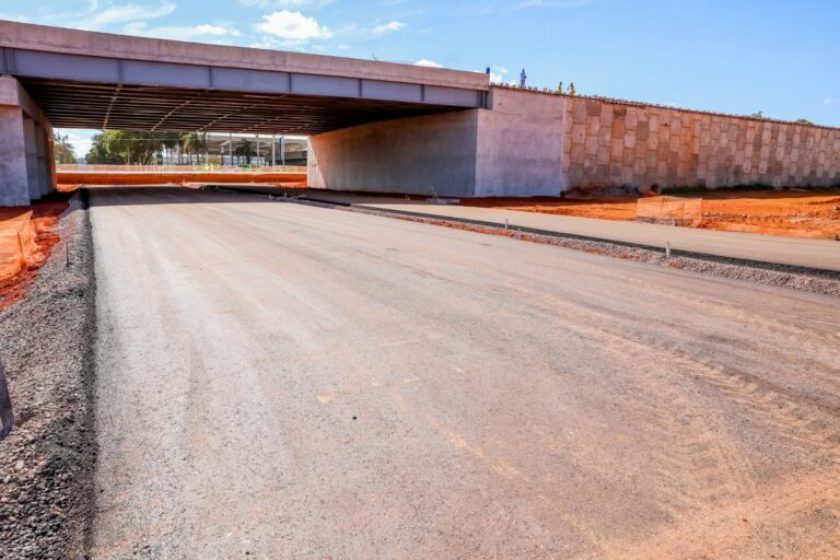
618,144
429,155
531,143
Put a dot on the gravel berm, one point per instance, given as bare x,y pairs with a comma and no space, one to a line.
47,462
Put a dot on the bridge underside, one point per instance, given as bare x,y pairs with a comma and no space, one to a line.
77,79
69,104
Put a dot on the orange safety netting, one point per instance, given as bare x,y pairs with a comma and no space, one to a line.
27,236
18,245
177,178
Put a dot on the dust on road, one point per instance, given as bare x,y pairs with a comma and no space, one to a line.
290,381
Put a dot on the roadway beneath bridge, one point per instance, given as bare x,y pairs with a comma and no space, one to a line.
289,381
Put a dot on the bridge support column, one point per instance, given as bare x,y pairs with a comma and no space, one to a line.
26,159
514,148
433,155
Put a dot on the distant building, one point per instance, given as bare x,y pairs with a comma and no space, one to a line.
257,150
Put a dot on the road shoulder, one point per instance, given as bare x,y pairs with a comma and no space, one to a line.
46,495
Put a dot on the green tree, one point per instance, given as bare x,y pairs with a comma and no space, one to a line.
758,115
125,147
803,121
64,152
560,87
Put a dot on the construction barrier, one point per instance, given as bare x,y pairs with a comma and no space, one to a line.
18,244
172,178
670,210
197,168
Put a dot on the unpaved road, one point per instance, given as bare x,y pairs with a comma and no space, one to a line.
283,381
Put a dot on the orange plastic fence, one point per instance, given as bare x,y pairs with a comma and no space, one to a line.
168,178
18,243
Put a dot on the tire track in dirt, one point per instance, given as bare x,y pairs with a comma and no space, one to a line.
802,423
740,529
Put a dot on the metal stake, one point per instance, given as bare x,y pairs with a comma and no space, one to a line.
7,417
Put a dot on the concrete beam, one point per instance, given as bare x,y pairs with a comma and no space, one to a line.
42,38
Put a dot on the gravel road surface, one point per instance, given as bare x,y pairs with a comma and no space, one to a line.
283,381
823,254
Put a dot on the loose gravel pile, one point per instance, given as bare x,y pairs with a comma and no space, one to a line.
46,463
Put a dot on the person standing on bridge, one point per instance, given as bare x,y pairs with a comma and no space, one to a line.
522,77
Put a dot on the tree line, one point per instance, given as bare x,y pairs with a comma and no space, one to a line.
144,148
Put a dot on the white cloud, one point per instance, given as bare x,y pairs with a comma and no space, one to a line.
831,101
293,27
309,4
183,33
126,13
428,63
388,27
554,3
497,74
81,140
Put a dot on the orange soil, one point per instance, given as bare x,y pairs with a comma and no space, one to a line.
812,213
70,179
15,225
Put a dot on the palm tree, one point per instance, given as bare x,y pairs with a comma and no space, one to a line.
194,143
245,149
63,149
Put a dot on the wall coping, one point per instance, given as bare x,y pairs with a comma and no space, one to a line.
643,105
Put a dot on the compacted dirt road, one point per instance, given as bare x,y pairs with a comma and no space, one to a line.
284,381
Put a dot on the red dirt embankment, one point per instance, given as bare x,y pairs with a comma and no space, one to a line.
792,213
27,236
69,179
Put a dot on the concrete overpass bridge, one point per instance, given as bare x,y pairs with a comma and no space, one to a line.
379,126
77,79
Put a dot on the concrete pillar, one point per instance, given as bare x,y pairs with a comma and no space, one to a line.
30,144
14,183
51,171
27,161
43,160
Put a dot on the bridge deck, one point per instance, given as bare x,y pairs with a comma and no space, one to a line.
98,80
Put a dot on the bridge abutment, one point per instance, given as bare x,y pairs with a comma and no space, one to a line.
530,143
27,163
513,148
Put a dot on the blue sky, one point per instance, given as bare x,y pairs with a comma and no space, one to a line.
781,57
